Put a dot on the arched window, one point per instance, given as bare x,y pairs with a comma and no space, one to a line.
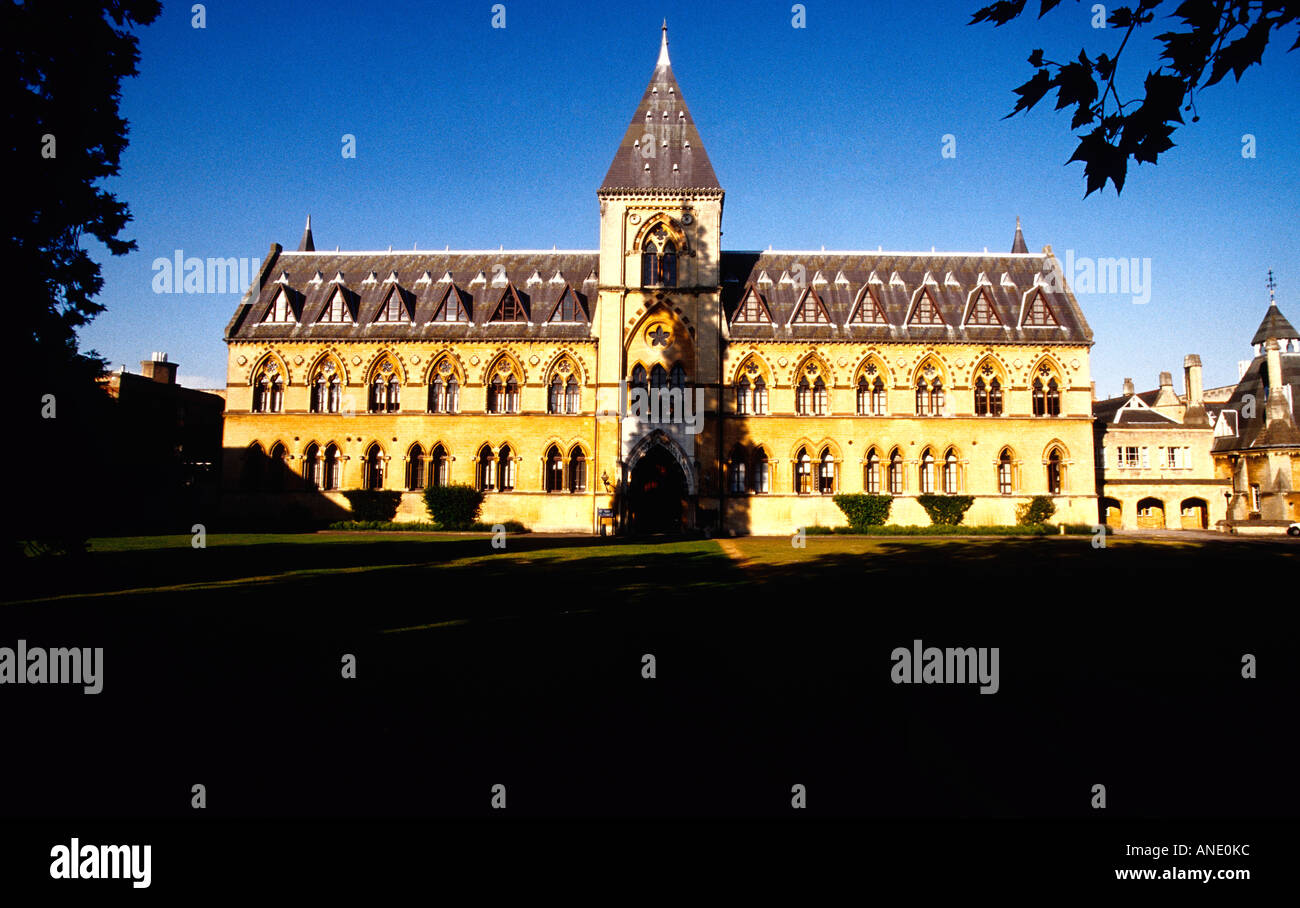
577,470
803,398
895,472
936,398
250,479
333,468
660,406
1055,472
554,395
802,472
762,479
871,477
495,395
486,470
878,397
922,397
736,472
1053,398
864,397
995,398
950,472
394,395
658,259
415,468
981,398
639,377
658,377
927,472
279,466
439,467
572,395
260,394
374,467
506,468
554,481
318,394
1040,398
452,402
512,395
826,475
819,397
437,395
742,396
311,464
378,395
1004,472
760,396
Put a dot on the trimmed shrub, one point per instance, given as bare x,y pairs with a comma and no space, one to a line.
1036,511
864,511
373,504
454,507
946,510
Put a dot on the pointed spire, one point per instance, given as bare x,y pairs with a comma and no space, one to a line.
306,244
1018,244
1274,326
661,148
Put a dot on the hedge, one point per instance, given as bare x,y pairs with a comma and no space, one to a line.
946,510
1036,511
864,511
454,507
373,504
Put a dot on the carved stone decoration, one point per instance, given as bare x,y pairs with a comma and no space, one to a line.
961,363
782,361
243,360
356,360
987,370
1018,364
687,219
415,358
444,367
534,359
843,361
751,367
929,370
1074,364
871,368
634,218
473,360
564,367
386,368
297,360
328,368
273,367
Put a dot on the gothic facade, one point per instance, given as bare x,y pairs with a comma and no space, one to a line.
783,377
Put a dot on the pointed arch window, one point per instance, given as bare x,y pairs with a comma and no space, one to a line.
871,479
981,398
279,467
333,468
802,472
250,479
639,378
676,383
374,468
439,467
826,473
326,389
927,472
506,468
878,397
415,468
803,398
554,472
311,466
1004,472
736,472
577,470
950,483
760,397
895,473
555,395
572,395
819,397
485,475
762,477
863,397
1055,472
658,259
742,397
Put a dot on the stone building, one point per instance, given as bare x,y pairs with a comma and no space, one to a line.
1154,464
1256,439
787,376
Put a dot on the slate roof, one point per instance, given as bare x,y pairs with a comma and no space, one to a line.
480,278
664,115
846,277
1254,432
1274,325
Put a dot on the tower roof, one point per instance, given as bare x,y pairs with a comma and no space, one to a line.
1274,325
661,148
306,244
1018,244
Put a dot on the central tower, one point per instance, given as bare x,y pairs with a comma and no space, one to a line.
659,297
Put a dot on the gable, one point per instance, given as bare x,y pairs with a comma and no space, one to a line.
568,308
336,308
925,312
280,311
510,308
451,308
1038,314
982,312
810,311
868,310
753,310
393,308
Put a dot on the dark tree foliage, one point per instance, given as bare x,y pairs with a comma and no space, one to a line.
863,510
63,66
1211,39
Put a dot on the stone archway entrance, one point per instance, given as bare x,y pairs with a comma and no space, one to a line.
657,499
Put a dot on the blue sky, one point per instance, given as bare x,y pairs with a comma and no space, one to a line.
830,135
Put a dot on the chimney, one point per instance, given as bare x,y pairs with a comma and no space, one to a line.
1094,390
1195,414
1166,380
1128,387
159,369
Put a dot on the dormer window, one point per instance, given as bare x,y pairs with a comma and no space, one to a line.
658,259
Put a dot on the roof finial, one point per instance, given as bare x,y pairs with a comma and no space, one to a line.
307,244
663,48
1272,286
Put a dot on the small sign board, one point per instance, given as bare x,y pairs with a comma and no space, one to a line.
605,512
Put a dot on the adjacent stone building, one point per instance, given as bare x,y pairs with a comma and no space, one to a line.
788,375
